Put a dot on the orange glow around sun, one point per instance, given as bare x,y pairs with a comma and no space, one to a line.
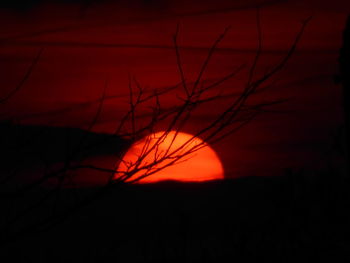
201,165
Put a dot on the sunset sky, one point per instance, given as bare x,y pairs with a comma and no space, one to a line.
85,43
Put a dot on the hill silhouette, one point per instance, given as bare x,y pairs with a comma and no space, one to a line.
289,218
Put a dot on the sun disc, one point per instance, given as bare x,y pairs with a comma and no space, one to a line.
200,165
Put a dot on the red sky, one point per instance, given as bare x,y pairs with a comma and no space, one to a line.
82,46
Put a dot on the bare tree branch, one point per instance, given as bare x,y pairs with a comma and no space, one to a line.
23,80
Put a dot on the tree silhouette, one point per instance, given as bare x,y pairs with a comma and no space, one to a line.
191,95
344,61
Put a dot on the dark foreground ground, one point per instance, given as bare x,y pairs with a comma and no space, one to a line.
293,218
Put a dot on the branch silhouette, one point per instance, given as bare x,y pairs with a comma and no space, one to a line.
23,80
239,112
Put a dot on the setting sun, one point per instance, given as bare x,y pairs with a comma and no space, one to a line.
201,165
